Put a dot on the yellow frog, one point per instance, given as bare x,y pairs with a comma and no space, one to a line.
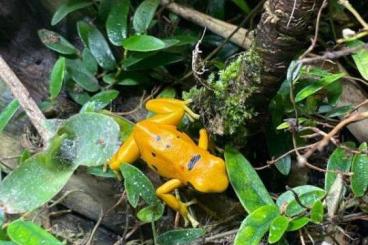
173,154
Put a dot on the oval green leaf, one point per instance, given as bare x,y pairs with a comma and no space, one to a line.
360,58
143,43
317,212
307,194
27,233
316,86
94,138
297,224
57,77
7,114
101,50
277,228
180,236
35,181
81,75
56,42
339,160
137,185
67,8
103,98
151,213
144,15
84,29
247,185
117,22
89,61
255,225
359,180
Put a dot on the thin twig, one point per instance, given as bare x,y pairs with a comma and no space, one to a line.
89,241
27,103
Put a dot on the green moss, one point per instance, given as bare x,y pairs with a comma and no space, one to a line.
225,105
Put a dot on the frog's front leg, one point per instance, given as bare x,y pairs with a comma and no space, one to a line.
169,111
127,153
164,192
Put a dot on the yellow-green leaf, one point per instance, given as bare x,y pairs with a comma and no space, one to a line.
67,8
180,236
277,228
144,15
317,212
57,77
7,114
255,225
143,43
298,223
360,58
359,180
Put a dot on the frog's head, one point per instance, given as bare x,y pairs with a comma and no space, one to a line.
208,174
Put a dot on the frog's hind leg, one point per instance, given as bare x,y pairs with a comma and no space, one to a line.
127,153
169,111
164,192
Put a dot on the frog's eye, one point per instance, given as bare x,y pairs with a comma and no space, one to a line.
192,162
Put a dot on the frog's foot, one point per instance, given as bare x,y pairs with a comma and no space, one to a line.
191,115
188,218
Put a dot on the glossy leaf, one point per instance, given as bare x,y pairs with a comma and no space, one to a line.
67,8
54,41
137,185
117,22
245,181
297,224
316,86
144,15
307,194
359,180
89,61
101,172
339,160
255,225
143,43
7,114
35,181
57,77
317,212
151,213
28,233
82,76
243,5
101,50
84,29
335,195
94,138
277,228
360,58
103,98
159,59
278,143
180,236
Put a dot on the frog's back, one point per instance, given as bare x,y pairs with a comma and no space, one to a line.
165,149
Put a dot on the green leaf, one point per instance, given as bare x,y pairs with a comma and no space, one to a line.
54,41
81,75
360,58
67,8
159,59
84,29
316,86
89,61
101,50
103,98
151,213
255,225
27,233
101,172
137,185
297,224
117,22
247,185
180,236
143,43
144,15
307,194
2,217
126,126
94,138
7,114
278,228
243,5
57,77
7,243
335,195
359,180
36,181
339,160
317,212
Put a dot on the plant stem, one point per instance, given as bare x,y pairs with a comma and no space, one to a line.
352,10
154,234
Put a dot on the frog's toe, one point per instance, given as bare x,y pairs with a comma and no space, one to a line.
191,202
192,221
